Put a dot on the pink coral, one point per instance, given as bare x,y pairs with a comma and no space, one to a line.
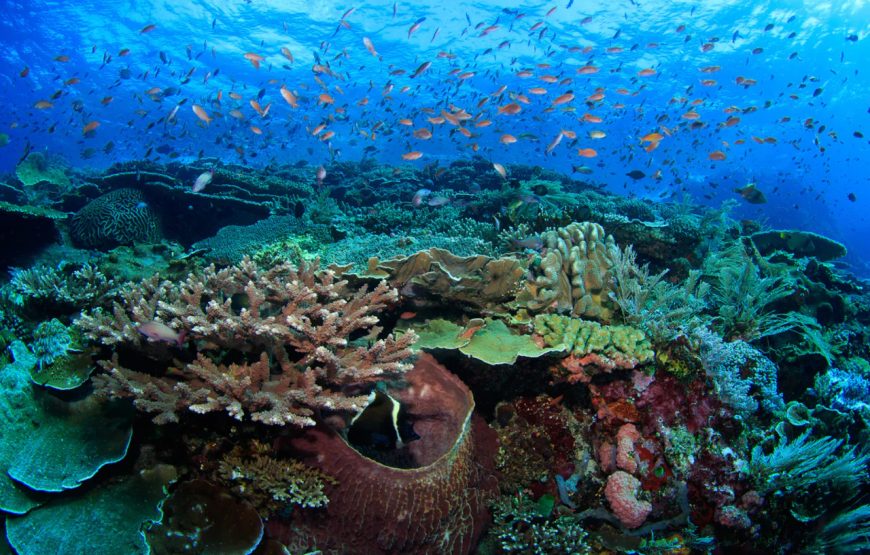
621,493
625,455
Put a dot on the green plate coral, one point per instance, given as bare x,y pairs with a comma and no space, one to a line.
106,519
49,444
489,341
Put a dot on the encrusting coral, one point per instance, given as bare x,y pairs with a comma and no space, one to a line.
593,347
273,344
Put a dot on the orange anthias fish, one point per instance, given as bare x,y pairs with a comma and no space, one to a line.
255,59
587,152
717,155
563,99
288,96
91,126
201,114
510,109
413,155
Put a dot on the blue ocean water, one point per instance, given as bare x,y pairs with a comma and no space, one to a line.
561,398
778,87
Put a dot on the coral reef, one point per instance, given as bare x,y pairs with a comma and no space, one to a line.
232,242
592,347
200,517
743,377
489,341
703,388
271,484
25,230
476,280
621,492
39,167
292,337
798,243
50,444
122,507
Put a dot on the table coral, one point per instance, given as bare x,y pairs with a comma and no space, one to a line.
287,330
39,167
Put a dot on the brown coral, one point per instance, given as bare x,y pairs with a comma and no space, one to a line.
269,483
290,344
120,217
477,280
574,274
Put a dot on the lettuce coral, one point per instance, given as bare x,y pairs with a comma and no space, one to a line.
49,444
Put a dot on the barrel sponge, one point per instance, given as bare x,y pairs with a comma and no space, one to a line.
120,217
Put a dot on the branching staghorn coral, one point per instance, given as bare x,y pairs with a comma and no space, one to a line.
290,344
270,483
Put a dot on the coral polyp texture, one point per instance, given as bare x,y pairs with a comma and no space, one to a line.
288,332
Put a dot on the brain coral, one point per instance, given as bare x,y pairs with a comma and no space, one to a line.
120,217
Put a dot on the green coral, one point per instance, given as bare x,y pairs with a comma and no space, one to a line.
489,341
61,289
49,444
520,527
583,337
105,519
51,340
39,167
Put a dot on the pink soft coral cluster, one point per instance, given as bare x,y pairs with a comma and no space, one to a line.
272,343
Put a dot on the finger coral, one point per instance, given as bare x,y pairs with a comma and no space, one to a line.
271,344
574,274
